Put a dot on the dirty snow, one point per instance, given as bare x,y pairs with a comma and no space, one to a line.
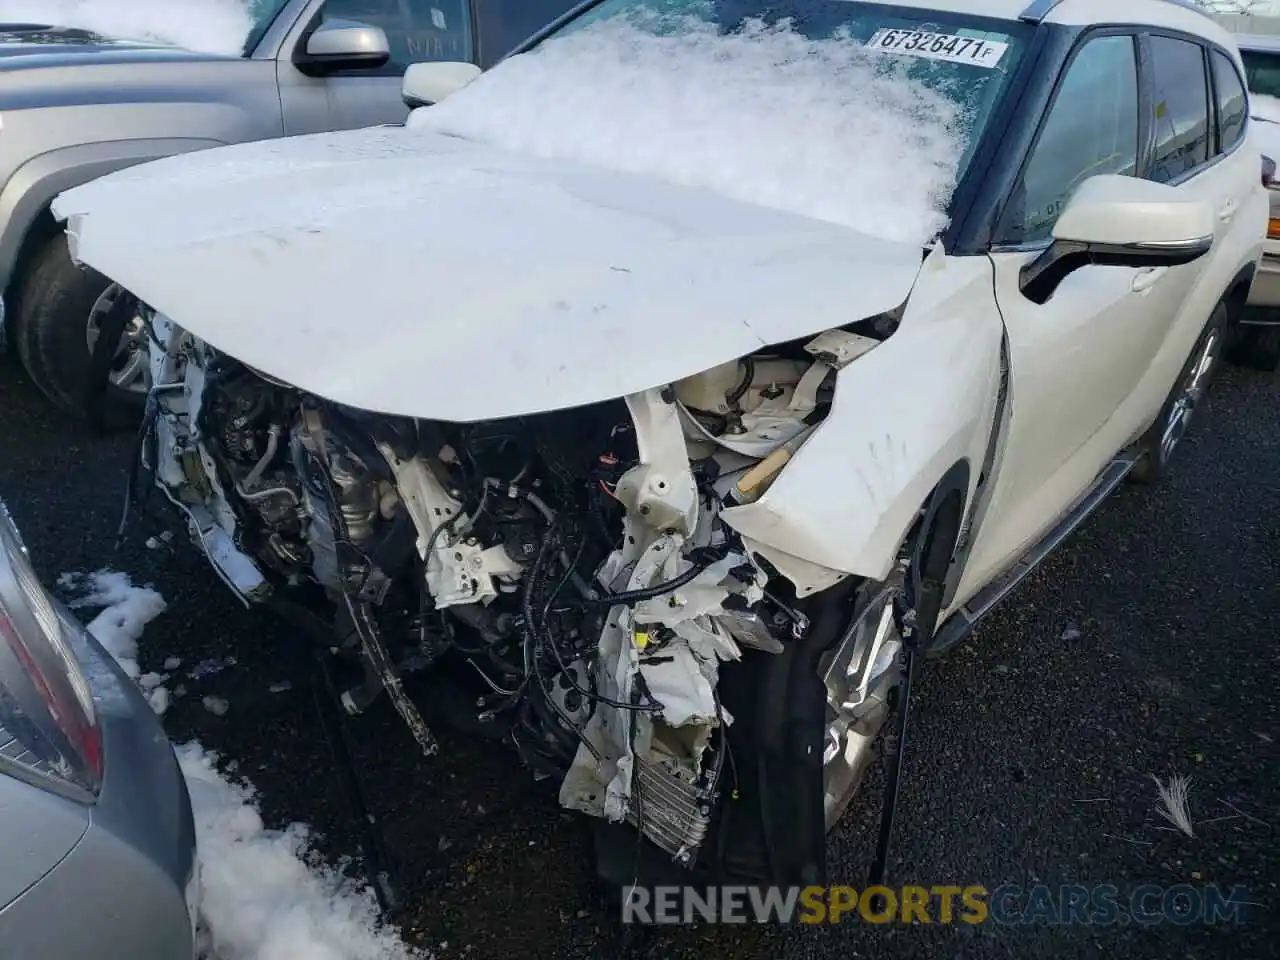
207,26
265,894
128,610
218,706
822,128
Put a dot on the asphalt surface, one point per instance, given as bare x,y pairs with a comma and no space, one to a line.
1149,645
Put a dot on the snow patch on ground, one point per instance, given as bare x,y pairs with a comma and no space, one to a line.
823,128
128,610
207,26
265,894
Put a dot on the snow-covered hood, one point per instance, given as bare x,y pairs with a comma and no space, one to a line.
411,273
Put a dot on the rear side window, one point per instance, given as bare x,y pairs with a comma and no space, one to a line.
1180,102
1262,72
1091,128
1231,101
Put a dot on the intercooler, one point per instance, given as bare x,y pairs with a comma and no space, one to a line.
672,811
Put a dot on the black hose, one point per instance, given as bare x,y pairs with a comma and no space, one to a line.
592,695
532,643
657,590
738,392
131,479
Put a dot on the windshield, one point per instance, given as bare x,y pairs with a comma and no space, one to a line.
859,113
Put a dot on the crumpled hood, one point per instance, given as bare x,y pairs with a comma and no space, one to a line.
417,274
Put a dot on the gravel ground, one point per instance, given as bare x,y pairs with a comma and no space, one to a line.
1147,646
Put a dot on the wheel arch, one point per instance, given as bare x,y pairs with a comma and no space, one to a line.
778,702
935,535
26,198
1236,295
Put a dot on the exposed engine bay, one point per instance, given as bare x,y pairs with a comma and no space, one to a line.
568,571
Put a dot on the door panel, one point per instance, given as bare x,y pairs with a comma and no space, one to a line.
1074,363
1091,368
1072,357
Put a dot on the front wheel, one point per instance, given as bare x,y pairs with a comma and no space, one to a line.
62,309
1186,398
806,721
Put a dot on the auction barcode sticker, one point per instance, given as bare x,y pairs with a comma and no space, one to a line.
939,46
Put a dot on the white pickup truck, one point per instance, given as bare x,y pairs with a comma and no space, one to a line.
1259,41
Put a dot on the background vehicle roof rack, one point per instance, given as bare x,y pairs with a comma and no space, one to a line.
1037,10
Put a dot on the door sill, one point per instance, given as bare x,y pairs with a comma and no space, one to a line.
960,624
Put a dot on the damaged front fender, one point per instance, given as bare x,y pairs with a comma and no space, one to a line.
902,415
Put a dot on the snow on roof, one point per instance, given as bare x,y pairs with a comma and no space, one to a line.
205,26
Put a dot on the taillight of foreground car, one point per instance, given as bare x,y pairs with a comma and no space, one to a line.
49,733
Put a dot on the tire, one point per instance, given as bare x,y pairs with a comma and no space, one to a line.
1257,347
56,301
1189,390
769,826
773,815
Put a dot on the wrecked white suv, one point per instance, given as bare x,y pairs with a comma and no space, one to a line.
672,390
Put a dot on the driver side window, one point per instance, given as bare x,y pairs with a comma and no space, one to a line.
417,30
1091,128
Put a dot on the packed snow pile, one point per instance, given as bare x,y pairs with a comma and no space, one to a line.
265,894
128,610
823,128
207,26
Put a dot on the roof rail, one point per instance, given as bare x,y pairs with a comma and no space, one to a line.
1191,5
1037,10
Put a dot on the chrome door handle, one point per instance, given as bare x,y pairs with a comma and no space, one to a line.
1146,279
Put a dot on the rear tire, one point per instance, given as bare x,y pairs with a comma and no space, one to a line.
56,300
1183,401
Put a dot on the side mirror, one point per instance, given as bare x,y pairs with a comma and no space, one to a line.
1118,221
428,83
342,45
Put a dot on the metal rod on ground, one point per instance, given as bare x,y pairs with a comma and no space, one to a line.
928,607
334,725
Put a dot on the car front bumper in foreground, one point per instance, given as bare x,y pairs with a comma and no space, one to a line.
127,889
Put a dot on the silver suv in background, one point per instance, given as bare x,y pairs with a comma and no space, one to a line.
1259,41
97,830
75,105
